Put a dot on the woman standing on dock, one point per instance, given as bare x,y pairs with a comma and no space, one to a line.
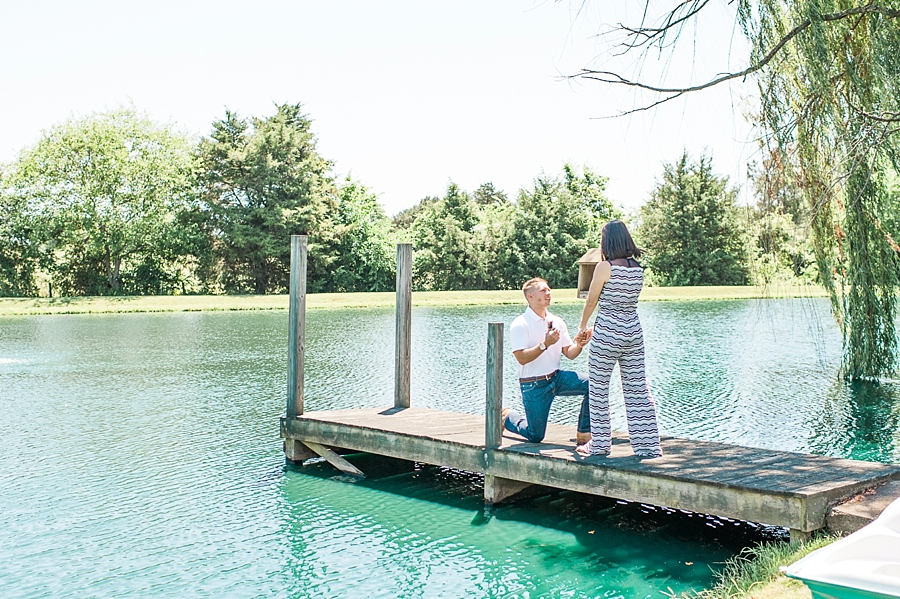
617,337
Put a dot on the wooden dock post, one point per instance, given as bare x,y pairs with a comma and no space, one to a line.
799,536
404,325
294,450
496,488
493,426
297,326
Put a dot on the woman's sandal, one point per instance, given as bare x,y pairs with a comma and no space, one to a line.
585,450
647,455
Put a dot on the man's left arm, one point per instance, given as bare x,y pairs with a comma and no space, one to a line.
572,351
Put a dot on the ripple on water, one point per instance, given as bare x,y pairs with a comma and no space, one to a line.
141,458
442,549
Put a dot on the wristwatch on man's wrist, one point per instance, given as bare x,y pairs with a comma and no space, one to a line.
542,346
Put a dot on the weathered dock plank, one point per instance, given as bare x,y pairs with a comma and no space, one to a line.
779,488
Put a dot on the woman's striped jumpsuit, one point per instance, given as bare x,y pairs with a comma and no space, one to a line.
618,338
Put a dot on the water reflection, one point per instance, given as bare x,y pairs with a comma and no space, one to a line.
425,529
859,420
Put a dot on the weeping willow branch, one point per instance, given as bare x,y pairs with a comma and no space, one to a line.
830,103
650,34
670,21
884,117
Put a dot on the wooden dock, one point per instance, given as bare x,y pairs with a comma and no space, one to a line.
778,488
772,487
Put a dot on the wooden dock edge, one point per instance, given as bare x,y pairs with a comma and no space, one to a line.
802,513
852,514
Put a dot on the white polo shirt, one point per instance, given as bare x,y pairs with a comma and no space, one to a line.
529,330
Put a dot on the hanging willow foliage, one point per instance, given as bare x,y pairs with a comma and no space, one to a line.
831,99
829,78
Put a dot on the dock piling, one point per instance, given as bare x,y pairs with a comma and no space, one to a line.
297,326
296,452
799,536
498,489
404,325
493,425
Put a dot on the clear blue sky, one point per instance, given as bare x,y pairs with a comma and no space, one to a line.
405,96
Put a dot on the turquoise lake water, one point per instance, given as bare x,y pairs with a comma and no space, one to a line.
139,455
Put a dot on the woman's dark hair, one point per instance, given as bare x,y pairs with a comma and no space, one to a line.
616,242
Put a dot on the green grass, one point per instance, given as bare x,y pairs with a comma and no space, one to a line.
317,301
755,573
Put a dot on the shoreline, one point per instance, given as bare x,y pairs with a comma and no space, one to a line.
33,306
755,572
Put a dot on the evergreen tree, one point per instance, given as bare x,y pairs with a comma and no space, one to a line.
448,254
553,225
365,254
488,195
690,228
404,220
262,181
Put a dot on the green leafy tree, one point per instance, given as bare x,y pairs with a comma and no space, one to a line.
779,225
405,219
448,251
104,191
690,228
187,256
553,225
365,253
262,181
20,252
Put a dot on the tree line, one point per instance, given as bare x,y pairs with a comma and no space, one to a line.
117,204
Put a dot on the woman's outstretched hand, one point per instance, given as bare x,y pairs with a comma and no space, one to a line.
583,337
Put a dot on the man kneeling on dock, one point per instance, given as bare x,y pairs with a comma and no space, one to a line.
538,340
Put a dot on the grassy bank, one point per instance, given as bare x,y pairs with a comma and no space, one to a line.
316,301
754,574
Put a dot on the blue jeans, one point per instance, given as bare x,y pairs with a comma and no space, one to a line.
538,397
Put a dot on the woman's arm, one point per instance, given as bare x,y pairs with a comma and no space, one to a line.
601,276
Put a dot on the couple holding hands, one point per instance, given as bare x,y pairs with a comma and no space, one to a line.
539,339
